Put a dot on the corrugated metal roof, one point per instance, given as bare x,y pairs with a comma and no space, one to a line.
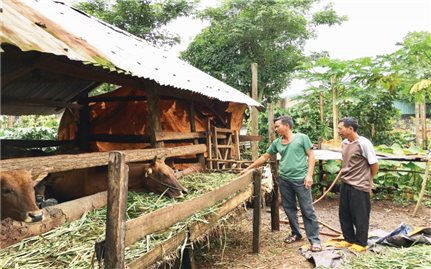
53,27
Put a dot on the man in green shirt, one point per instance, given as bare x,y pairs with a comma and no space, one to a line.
296,171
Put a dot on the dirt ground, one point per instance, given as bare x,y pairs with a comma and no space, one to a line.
232,248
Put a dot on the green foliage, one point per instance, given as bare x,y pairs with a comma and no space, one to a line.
32,127
267,32
364,91
400,181
141,18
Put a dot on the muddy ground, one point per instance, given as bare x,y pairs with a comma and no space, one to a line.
232,247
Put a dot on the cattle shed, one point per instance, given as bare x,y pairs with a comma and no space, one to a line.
53,56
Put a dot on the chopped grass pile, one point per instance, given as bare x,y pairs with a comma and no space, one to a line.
415,257
72,245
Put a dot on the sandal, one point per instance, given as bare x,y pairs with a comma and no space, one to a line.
316,247
292,238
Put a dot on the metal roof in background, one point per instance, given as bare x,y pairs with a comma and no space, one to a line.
55,28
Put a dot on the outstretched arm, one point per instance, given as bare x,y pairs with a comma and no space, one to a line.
261,160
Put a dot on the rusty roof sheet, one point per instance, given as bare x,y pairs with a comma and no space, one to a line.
53,27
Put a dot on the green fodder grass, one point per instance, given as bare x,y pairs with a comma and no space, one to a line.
415,257
72,244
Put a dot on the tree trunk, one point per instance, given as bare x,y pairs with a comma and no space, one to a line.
424,124
334,109
417,124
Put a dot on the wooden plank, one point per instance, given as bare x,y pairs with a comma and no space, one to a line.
223,130
201,228
225,146
256,209
164,136
196,231
163,218
50,164
230,161
118,177
159,251
243,138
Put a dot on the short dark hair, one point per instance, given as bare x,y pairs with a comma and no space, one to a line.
350,122
285,120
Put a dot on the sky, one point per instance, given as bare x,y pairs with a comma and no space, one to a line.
373,28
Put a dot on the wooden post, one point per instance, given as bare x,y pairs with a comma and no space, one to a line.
417,124
253,112
334,109
118,175
275,215
200,156
256,209
84,123
153,117
209,144
424,184
188,261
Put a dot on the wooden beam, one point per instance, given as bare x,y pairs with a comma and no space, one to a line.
163,218
153,115
164,136
36,102
243,138
51,164
118,177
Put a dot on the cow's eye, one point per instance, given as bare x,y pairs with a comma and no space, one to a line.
6,191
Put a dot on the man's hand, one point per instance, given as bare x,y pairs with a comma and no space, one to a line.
308,181
242,172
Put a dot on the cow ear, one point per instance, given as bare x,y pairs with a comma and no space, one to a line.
148,172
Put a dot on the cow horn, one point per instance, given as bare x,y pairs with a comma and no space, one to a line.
148,172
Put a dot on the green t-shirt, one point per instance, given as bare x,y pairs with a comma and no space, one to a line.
294,161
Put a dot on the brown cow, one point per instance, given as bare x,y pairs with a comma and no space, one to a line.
17,197
154,177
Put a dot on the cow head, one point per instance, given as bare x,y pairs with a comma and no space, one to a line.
160,178
18,198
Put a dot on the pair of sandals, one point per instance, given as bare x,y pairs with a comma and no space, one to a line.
315,247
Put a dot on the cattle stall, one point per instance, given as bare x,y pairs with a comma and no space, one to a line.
160,105
154,221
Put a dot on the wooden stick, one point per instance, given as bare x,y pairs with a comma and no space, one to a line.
424,184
